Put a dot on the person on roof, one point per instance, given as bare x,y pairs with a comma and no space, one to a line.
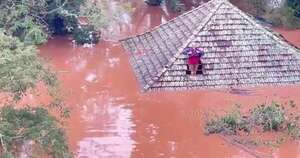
194,54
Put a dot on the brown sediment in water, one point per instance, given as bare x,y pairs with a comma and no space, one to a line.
293,36
112,118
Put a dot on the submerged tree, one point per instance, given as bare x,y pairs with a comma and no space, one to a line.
99,16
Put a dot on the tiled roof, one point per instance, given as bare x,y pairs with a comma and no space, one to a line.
238,51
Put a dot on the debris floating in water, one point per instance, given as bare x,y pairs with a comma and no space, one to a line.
88,45
113,62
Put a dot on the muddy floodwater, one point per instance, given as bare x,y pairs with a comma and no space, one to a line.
111,118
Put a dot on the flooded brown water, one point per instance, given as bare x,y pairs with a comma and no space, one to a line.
293,36
111,118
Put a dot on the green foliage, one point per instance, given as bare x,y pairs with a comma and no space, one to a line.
293,130
100,13
22,19
23,24
229,123
35,125
285,16
20,67
33,20
262,118
260,6
295,5
288,17
7,155
269,117
62,15
176,5
29,32
86,34
96,14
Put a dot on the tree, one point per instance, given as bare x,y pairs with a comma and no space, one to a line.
176,5
24,24
20,67
23,19
32,128
62,15
34,20
98,15
260,6
295,5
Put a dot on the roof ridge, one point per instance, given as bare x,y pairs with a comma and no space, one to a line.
163,66
158,26
268,32
199,28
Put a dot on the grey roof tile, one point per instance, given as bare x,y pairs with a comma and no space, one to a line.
238,51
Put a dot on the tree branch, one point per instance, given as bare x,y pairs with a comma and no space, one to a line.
2,143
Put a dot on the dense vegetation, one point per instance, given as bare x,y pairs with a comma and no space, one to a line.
33,21
24,24
280,119
32,132
295,5
20,67
286,15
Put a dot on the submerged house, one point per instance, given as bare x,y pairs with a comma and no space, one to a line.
239,52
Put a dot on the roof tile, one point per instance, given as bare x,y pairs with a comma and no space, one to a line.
238,51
